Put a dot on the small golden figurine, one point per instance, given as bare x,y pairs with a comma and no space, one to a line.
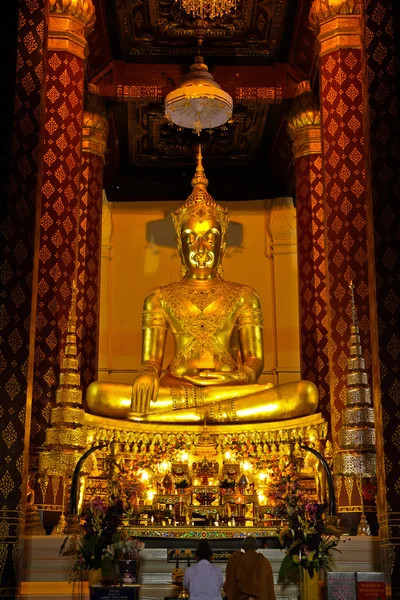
217,329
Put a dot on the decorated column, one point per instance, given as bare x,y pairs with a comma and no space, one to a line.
24,34
94,139
382,116
69,25
338,29
304,125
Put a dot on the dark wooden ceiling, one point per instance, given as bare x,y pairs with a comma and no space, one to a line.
141,49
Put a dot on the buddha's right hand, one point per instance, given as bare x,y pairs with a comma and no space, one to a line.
144,390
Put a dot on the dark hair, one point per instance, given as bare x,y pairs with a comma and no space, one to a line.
249,543
203,551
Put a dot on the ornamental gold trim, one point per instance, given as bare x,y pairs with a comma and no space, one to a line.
362,439
355,509
325,9
279,430
304,122
68,396
210,533
340,32
72,379
62,415
93,142
63,463
95,126
66,34
82,10
358,416
352,464
306,140
66,437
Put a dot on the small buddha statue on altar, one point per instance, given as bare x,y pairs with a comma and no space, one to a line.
217,329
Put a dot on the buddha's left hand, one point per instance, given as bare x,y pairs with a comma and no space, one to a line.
213,378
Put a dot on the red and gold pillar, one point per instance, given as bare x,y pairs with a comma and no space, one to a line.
94,139
304,126
381,18
24,38
338,28
69,25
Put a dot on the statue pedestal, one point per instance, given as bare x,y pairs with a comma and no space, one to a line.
208,456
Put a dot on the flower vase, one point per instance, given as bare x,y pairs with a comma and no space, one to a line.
308,586
129,571
94,577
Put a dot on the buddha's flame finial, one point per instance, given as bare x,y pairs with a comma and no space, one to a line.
199,175
200,205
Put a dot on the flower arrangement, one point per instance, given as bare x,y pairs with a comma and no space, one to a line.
369,491
127,548
307,538
93,547
102,541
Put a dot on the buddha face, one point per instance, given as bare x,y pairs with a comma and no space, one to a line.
201,247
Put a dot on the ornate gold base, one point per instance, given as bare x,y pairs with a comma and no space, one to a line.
201,533
206,456
106,429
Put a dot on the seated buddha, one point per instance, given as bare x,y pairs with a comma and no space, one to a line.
217,330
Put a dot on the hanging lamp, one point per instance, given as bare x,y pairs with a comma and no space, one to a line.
198,102
203,9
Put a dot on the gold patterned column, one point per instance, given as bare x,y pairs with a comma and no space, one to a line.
304,126
338,29
69,24
23,68
94,139
382,117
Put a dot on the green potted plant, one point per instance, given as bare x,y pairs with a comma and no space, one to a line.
93,546
306,537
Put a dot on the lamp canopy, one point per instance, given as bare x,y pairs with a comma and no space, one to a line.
198,102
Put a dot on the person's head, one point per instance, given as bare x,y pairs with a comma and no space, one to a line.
203,551
249,543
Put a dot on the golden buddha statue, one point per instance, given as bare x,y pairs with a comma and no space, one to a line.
217,329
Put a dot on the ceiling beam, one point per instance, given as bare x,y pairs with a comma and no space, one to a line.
151,83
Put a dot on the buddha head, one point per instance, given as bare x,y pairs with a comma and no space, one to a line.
201,230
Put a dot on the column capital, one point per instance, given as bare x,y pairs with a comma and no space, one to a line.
95,126
304,122
336,24
70,22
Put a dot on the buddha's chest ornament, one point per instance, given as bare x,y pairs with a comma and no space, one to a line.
202,314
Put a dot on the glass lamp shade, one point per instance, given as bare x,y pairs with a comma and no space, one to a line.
204,9
198,103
